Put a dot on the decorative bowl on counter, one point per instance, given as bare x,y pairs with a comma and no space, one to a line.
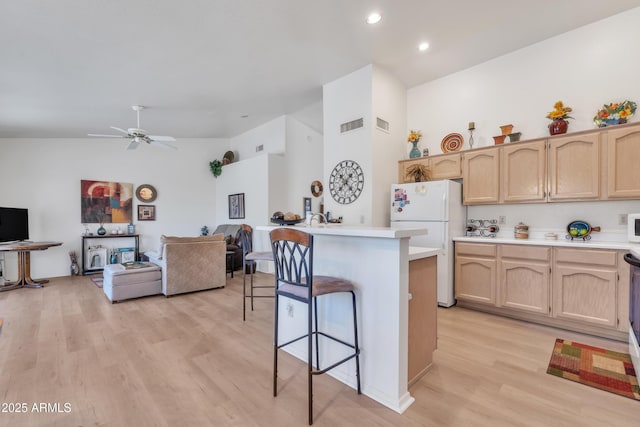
286,221
580,230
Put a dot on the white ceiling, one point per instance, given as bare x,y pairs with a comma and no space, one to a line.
72,67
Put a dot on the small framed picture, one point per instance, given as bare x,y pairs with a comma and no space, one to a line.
306,206
146,213
236,206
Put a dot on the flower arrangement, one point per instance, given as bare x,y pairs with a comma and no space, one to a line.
614,113
414,136
560,112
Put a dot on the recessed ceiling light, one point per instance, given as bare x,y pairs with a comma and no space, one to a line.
423,46
374,18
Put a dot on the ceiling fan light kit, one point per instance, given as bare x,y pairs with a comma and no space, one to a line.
138,135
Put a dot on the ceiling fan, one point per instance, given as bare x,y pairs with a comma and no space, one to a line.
138,135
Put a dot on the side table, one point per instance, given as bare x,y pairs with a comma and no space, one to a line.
230,263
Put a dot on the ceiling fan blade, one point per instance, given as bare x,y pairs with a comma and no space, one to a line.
133,145
161,138
106,136
162,144
119,130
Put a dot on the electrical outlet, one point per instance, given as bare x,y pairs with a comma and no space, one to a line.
502,220
622,219
290,309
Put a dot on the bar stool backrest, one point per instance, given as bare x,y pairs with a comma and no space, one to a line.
246,238
293,258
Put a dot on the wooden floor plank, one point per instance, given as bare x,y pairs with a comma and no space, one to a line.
191,360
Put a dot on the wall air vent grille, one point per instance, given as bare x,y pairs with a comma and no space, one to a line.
352,125
382,124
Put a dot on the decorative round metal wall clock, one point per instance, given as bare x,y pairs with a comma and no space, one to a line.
346,182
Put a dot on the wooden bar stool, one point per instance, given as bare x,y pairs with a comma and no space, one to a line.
293,257
249,259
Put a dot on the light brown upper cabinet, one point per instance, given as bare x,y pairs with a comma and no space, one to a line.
481,176
523,174
623,163
574,167
446,166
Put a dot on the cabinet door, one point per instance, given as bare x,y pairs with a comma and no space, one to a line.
523,172
586,294
623,163
481,174
524,285
422,316
475,279
404,165
445,166
574,167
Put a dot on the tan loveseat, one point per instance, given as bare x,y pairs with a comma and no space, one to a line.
191,263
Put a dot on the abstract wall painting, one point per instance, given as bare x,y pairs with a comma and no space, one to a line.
106,202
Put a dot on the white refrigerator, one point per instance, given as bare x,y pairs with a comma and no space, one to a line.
436,206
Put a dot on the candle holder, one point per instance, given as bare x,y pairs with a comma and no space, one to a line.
471,137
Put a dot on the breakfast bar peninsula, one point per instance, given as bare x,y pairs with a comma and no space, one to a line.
377,260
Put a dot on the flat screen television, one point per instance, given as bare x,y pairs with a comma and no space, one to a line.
14,224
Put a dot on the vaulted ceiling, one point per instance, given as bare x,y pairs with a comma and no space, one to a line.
72,67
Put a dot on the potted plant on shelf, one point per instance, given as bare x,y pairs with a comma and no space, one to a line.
418,172
559,117
614,113
216,167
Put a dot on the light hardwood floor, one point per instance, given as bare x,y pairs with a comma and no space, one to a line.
190,360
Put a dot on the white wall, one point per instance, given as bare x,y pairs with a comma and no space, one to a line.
554,217
390,104
367,93
305,164
44,176
247,176
346,99
584,68
271,135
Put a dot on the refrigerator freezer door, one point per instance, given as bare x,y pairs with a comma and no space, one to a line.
420,201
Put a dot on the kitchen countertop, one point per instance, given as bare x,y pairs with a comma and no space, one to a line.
416,252
351,230
591,244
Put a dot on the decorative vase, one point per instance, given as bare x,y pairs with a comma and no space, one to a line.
74,269
414,151
558,126
131,229
101,231
114,258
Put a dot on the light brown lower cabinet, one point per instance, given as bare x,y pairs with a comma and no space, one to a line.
585,290
524,278
585,286
423,307
475,272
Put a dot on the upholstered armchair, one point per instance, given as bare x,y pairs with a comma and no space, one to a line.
191,263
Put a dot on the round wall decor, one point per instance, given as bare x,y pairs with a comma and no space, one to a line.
316,188
146,193
346,182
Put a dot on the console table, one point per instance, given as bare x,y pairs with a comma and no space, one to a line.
85,270
24,263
